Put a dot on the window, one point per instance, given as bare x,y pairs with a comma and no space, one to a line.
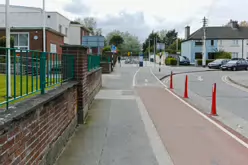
21,40
235,42
198,43
53,48
66,31
220,41
235,55
198,55
60,28
212,42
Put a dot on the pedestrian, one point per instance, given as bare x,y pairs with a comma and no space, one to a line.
119,60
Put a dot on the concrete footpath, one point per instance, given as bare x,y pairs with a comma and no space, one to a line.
114,133
135,121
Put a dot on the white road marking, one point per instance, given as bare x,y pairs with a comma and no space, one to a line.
203,115
225,80
159,150
134,77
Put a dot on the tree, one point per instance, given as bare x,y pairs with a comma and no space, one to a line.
176,44
151,38
131,42
116,40
170,37
162,35
88,22
243,24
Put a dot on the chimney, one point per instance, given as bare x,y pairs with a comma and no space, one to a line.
187,32
234,24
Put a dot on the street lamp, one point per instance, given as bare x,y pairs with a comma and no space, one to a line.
7,28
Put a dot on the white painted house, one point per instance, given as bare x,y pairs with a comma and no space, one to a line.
233,39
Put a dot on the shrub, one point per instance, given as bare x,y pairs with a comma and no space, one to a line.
170,61
223,55
199,62
3,42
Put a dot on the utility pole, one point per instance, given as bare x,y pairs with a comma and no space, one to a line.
204,52
44,27
154,50
8,45
177,44
149,49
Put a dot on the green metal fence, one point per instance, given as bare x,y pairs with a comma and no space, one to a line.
105,59
31,73
93,62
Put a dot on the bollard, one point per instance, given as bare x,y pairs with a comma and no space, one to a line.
186,87
213,110
171,80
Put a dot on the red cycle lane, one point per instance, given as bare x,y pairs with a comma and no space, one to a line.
188,137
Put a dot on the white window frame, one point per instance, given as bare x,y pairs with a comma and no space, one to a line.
18,33
235,42
220,42
235,55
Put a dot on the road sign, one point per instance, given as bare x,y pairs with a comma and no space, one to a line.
113,49
160,46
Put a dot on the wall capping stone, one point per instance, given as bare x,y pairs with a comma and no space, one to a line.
20,110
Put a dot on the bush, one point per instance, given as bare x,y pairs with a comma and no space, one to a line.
3,42
223,55
170,61
199,62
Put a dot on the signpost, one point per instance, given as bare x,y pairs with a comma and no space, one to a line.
113,49
141,58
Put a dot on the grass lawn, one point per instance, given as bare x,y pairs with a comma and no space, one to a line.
24,85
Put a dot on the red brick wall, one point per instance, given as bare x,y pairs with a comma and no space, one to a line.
27,140
38,44
53,38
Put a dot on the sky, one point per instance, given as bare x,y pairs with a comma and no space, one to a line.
140,17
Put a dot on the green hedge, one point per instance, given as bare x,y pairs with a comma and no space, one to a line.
199,62
223,55
171,61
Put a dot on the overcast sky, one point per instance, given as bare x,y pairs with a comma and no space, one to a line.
140,17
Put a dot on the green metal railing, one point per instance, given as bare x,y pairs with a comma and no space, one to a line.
93,62
105,59
31,72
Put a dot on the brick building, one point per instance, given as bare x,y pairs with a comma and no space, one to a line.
32,39
26,27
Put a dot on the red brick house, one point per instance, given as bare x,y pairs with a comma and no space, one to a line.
32,39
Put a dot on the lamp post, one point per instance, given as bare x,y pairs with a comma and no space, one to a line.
8,45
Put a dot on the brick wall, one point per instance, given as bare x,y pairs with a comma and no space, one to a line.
56,39
34,44
94,83
38,135
36,130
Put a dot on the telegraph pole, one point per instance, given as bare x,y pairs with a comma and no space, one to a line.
204,52
154,59
149,48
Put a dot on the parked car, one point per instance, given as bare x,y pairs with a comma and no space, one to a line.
235,65
184,60
216,64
